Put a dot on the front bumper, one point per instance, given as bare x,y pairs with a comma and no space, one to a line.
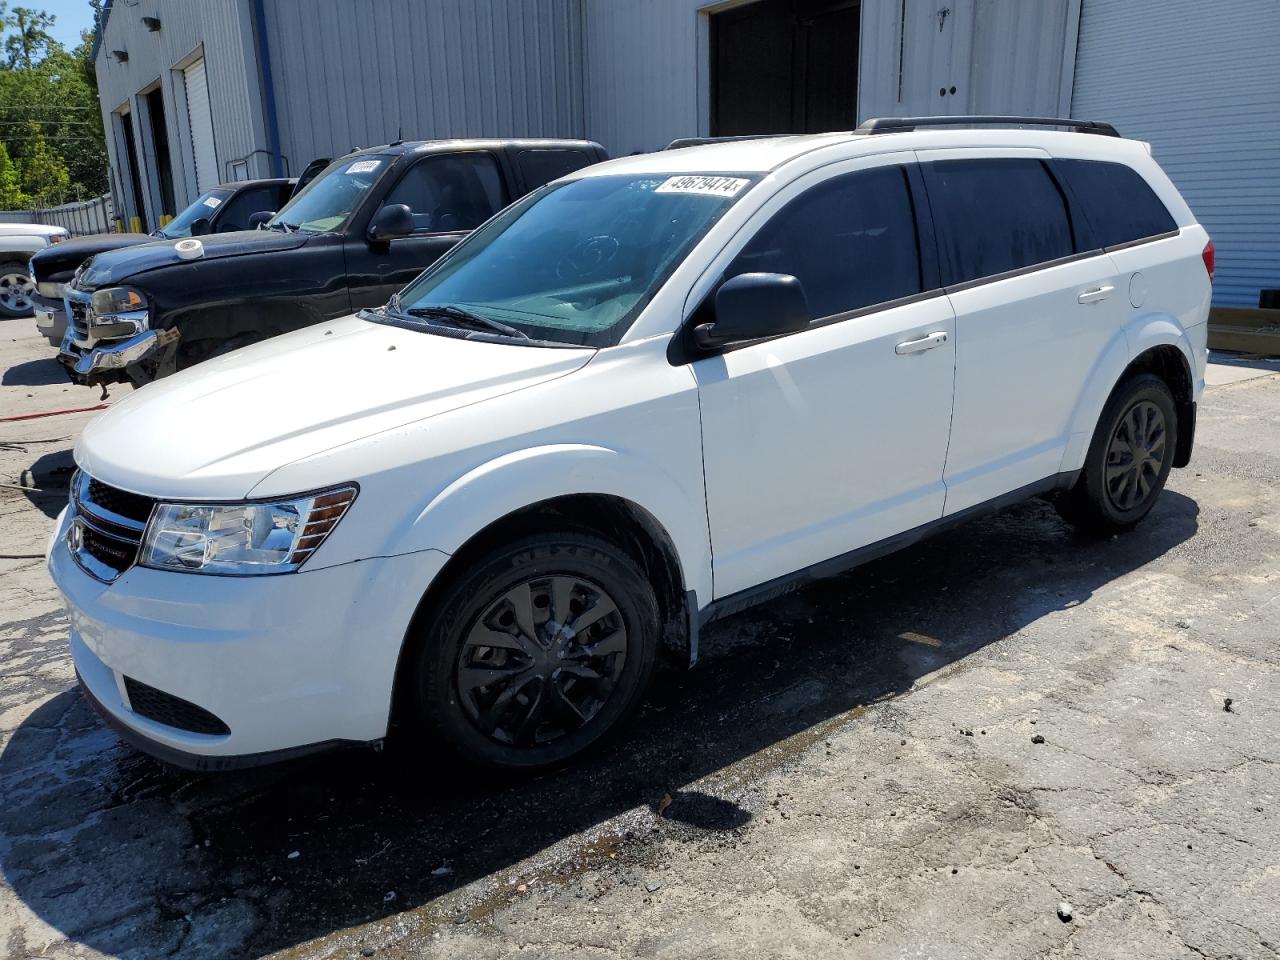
51,317
289,663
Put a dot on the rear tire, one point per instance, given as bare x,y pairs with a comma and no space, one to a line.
535,653
1129,458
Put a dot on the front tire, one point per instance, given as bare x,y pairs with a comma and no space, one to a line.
16,290
1129,458
535,653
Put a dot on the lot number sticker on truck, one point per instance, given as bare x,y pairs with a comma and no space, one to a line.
212,202
364,166
711,186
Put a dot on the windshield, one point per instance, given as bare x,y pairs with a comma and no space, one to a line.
328,201
576,262
205,205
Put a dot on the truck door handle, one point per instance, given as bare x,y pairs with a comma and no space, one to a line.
921,345
1095,294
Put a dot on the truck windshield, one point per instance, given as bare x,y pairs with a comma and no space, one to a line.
576,262
205,207
328,201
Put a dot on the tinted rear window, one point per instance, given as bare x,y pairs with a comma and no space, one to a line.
851,241
1117,203
542,166
996,215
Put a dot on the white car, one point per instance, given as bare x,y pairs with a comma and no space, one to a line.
18,242
652,393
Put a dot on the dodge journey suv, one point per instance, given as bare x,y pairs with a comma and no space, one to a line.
642,397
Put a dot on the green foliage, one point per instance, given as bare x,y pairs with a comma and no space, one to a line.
11,195
50,120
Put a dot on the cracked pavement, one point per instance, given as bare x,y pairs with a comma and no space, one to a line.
854,770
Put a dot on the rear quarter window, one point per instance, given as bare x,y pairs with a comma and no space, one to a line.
996,215
1118,204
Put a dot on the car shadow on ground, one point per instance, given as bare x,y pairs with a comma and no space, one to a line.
34,373
116,851
47,482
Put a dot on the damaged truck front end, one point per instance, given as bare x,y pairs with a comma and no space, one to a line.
109,338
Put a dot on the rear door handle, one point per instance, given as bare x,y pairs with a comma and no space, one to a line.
921,345
1095,294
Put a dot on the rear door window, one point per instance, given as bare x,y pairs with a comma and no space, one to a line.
451,192
995,215
542,166
851,242
1117,202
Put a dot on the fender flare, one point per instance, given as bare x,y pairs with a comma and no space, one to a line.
1131,341
521,478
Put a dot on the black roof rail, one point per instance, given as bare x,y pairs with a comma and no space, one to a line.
699,141
905,124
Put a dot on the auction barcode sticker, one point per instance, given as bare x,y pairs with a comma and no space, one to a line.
364,166
212,202
711,186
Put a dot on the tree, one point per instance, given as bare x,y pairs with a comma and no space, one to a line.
41,173
11,195
29,40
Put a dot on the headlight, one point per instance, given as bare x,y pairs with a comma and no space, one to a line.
242,539
58,237
118,300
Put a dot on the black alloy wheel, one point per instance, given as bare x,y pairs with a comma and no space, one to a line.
533,652
542,660
1129,458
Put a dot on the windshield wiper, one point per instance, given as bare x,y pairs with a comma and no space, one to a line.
284,227
461,318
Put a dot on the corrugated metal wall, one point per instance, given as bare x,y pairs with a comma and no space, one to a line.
1201,82
352,73
224,27
645,72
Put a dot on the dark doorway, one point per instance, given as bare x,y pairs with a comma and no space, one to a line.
785,66
160,141
131,160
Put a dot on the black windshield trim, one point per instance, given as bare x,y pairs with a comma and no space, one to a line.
423,325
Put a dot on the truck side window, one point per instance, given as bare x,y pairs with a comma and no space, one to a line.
451,192
245,204
851,242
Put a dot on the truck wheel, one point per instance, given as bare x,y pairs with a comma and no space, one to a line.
1129,458
16,290
534,653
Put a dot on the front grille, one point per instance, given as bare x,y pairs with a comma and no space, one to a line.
132,506
79,317
172,711
108,529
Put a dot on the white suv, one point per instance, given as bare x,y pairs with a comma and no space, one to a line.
652,393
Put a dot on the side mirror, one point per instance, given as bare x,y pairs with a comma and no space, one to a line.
393,221
752,306
256,220
199,226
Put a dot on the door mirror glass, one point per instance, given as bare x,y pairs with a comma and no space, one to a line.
199,226
393,221
752,306
256,220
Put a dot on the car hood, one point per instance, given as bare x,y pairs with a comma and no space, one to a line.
218,429
117,266
56,264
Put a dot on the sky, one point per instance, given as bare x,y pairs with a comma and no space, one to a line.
72,17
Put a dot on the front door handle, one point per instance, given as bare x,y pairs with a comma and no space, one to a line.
921,345
1095,294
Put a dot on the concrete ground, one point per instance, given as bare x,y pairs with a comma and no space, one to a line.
924,758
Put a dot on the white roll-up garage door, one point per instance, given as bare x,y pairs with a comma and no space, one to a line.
201,120
1198,80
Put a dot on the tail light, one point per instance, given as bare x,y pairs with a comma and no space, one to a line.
1208,256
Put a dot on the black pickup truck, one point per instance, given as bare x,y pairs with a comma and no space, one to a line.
221,209
361,230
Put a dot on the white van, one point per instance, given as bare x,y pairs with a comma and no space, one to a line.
651,393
